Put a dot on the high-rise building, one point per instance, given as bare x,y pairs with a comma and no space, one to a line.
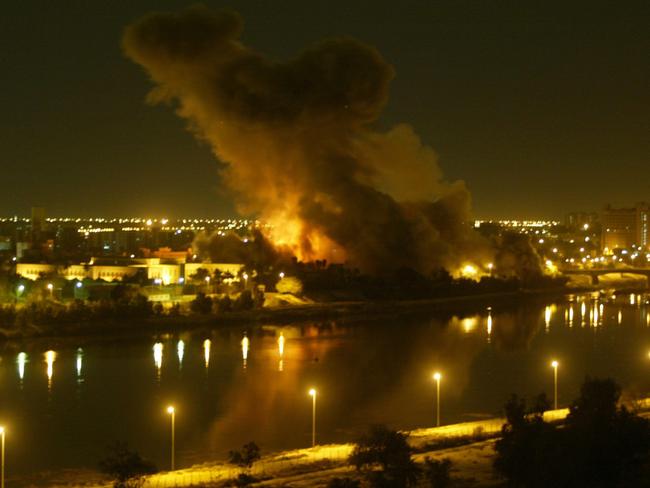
38,223
623,228
578,220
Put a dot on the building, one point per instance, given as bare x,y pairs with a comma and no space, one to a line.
623,228
581,220
160,270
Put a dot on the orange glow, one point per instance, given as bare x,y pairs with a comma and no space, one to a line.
288,232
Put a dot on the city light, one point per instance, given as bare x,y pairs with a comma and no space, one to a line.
2,456
312,393
437,377
554,365
172,411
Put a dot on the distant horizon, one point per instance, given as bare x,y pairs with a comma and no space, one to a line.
235,216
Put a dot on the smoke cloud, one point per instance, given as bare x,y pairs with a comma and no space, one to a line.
299,148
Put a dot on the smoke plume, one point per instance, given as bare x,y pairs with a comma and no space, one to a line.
299,148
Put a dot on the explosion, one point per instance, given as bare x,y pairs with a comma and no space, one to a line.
299,149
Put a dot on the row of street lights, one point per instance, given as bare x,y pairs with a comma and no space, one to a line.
437,376
171,410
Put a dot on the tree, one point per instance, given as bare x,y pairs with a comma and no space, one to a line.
223,305
601,443
611,443
386,456
524,450
199,277
343,483
437,473
246,456
244,301
201,304
125,466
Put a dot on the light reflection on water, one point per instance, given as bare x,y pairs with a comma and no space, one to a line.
376,371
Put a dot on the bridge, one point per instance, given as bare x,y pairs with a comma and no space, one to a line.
596,272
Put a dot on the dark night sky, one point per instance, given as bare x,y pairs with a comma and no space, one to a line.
541,108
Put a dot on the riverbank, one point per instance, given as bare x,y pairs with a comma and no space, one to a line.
350,311
469,445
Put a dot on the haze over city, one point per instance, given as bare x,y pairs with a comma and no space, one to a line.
540,106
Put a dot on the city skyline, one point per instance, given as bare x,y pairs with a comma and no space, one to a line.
528,102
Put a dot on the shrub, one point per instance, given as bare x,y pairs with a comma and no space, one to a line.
246,456
437,473
201,304
126,467
343,483
389,451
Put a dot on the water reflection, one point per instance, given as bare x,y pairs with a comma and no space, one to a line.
79,362
21,360
158,357
244,350
180,349
489,324
281,352
469,324
50,357
206,352
373,373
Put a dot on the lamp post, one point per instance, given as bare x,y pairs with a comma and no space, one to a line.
312,392
50,287
437,376
2,471
172,412
554,365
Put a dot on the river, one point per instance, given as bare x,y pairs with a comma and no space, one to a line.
62,408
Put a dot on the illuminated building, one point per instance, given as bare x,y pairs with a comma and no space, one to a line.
625,227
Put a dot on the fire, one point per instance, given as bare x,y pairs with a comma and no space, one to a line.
302,241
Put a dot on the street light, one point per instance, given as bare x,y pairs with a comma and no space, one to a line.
2,471
312,392
554,365
171,411
437,376
50,287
